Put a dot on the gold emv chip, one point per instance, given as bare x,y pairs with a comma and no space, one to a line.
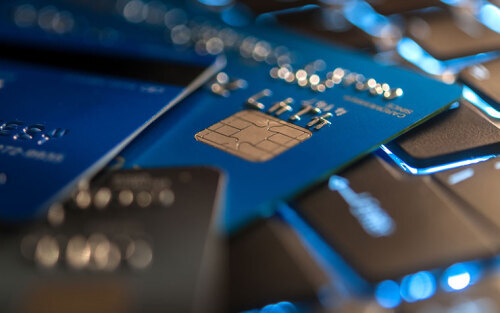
253,135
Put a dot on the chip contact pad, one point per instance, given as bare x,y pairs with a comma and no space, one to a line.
253,135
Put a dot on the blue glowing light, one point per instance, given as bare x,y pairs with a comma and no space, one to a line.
419,286
365,17
460,176
452,2
237,15
298,9
473,98
413,53
281,307
433,169
459,281
496,263
270,17
460,276
410,50
387,294
330,261
216,3
489,15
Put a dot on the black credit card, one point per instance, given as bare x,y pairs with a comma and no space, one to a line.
130,241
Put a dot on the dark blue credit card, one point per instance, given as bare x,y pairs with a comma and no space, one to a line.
290,125
58,126
73,97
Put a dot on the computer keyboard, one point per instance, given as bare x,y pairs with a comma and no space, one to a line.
386,223
463,135
413,227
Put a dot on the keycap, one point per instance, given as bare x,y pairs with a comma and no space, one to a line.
388,7
459,134
484,79
445,37
140,240
265,6
327,24
386,224
268,264
478,185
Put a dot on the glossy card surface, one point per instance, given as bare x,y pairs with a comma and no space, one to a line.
301,132
74,94
56,126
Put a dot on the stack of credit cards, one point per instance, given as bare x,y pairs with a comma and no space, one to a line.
137,136
284,115
70,107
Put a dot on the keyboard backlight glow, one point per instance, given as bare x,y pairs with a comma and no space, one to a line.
473,98
459,282
414,53
418,286
433,169
387,294
489,15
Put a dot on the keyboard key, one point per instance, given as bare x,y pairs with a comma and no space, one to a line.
478,185
328,24
387,224
455,135
264,6
387,7
484,78
267,263
443,37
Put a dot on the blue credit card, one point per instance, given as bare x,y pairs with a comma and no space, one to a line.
67,111
304,115
57,27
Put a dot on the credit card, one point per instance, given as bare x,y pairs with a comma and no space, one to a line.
58,34
279,120
66,111
114,247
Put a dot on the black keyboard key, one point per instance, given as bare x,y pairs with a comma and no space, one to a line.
266,6
440,34
460,134
327,24
484,79
478,185
387,7
387,224
268,264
